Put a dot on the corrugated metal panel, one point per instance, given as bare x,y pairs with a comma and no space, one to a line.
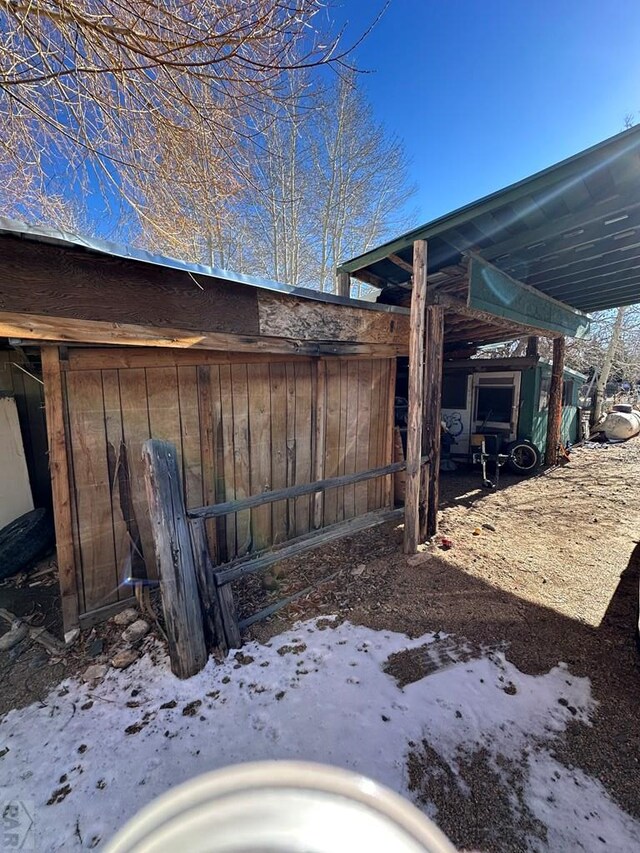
571,231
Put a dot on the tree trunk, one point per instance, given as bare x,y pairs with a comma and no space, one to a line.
603,378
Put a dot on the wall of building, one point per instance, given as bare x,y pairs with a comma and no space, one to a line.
241,424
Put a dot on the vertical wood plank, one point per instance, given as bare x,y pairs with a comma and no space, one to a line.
363,431
190,435
303,442
291,444
416,385
128,551
376,429
278,402
332,437
241,451
351,436
207,450
431,415
58,463
342,440
135,428
260,450
319,449
390,384
228,467
554,421
91,482
164,410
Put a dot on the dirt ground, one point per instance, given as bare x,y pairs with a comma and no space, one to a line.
545,569
552,576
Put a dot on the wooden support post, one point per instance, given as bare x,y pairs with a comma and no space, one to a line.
431,413
532,347
319,448
554,422
343,284
214,633
416,386
174,555
58,466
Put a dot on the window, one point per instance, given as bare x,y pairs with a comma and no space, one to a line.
454,391
494,405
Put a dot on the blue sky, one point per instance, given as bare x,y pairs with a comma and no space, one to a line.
486,92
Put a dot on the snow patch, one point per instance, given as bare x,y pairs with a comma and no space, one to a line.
314,693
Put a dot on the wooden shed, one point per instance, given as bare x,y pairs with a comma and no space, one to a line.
282,398
259,386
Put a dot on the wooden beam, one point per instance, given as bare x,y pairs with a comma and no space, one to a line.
281,317
61,493
252,563
431,416
486,317
68,330
369,278
217,510
532,347
400,262
416,386
343,283
554,418
174,555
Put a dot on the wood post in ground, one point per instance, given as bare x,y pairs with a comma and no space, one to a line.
343,284
58,466
174,555
532,347
214,632
554,421
416,387
431,428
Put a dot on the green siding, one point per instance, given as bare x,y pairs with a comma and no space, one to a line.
494,291
569,427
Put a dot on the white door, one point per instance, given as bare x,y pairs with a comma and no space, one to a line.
496,403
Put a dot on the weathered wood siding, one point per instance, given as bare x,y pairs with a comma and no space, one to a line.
242,425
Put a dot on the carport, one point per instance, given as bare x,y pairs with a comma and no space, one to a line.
531,259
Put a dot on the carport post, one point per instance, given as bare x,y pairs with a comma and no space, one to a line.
415,398
431,413
554,417
343,284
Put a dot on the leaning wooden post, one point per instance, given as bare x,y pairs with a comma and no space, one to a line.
416,386
431,413
172,543
343,283
554,418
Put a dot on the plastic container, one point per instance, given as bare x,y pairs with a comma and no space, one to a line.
280,807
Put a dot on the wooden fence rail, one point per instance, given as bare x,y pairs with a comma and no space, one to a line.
196,595
229,507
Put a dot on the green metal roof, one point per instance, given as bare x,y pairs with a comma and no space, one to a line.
572,231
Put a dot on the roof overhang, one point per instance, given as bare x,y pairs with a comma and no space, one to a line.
571,232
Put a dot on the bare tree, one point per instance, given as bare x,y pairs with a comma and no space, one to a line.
146,101
330,183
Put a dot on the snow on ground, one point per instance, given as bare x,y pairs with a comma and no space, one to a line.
87,759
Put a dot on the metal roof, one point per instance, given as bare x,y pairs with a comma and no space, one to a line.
572,231
46,234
